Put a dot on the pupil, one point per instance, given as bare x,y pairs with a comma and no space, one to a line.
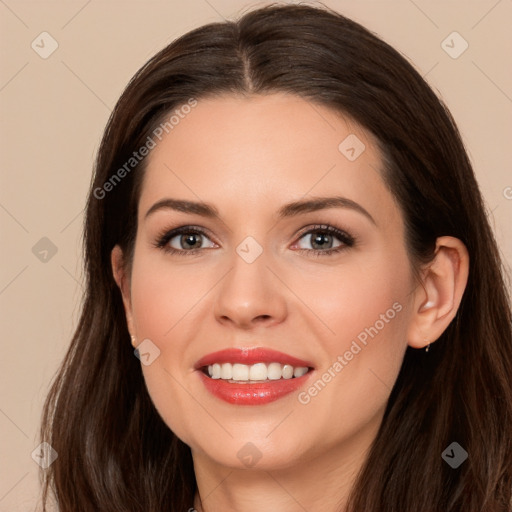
189,239
320,239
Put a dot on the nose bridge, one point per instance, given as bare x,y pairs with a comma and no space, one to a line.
250,292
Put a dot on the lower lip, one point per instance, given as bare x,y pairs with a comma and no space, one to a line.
252,394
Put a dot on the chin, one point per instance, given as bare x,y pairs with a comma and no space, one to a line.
253,452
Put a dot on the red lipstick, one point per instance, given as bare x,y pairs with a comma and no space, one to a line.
251,393
250,356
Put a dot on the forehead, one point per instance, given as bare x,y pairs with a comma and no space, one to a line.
262,151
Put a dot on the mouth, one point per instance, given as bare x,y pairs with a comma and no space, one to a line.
252,376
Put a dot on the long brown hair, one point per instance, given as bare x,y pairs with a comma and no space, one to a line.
114,450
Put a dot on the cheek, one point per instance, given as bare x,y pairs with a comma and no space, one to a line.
361,362
366,311
358,299
163,296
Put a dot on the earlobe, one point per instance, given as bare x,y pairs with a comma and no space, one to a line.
438,298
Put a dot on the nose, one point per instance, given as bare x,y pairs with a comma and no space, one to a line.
250,295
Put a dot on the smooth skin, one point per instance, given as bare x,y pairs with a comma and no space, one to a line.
249,156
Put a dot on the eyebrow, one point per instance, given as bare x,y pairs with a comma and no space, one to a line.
288,210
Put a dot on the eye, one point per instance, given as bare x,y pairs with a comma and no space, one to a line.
183,240
322,239
189,240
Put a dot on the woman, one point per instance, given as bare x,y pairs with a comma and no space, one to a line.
285,223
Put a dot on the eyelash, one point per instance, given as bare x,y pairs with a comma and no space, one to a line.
347,240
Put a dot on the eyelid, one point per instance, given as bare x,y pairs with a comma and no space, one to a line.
346,239
167,234
328,228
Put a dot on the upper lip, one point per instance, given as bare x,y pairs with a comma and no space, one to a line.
250,355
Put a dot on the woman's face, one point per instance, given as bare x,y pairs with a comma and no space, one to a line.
260,276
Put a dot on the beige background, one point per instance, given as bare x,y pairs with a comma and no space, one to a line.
52,115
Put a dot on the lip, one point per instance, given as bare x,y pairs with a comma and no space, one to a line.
250,356
252,394
258,393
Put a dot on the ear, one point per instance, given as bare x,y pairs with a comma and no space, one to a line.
123,281
438,298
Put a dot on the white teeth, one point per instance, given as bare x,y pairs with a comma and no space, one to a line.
274,371
255,372
287,371
258,371
240,372
215,371
226,371
298,372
